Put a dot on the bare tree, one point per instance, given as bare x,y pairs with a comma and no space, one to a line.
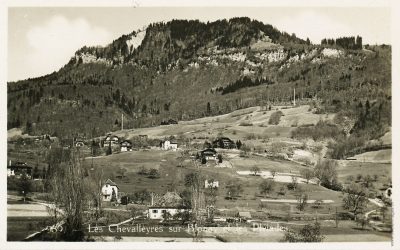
68,194
184,154
355,199
24,185
95,183
266,187
307,174
273,173
255,170
302,199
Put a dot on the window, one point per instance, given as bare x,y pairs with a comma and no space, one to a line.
163,211
155,211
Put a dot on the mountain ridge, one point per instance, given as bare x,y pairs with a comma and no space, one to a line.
179,70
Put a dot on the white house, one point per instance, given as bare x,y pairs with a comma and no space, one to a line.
169,145
126,146
108,189
170,203
211,184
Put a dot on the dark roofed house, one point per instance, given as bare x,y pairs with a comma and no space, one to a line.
18,169
224,142
170,203
209,154
113,139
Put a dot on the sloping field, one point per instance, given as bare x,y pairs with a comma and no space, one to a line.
238,124
380,156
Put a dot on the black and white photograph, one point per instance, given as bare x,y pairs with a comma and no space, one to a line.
198,124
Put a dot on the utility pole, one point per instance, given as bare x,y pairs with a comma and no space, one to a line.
122,122
294,97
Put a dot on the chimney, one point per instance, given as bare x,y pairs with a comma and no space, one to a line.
152,199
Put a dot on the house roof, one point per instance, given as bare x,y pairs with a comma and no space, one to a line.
245,215
110,182
22,165
208,151
169,200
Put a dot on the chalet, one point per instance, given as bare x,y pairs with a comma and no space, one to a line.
224,142
18,169
244,216
169,145
79,143
209,154
108,190
211,184
41,138
126,145
171,203
111,139
67,143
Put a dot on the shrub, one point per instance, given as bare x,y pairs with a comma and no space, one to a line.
251,136
322,130
245,123
275,118
309,233
153,174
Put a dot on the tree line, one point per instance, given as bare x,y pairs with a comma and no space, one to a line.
351,42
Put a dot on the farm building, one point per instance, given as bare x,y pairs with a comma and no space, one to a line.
224,142
169,145
244,216
111,139
211,184
79,143
171,204
126,146
18,169
209,154
109,190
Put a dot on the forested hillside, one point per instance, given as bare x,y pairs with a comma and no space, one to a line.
183,70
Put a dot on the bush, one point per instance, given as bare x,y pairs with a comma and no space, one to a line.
245,123
153,174
322,130
275,118
345,147
309,233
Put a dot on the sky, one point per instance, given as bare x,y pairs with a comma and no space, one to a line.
43,39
